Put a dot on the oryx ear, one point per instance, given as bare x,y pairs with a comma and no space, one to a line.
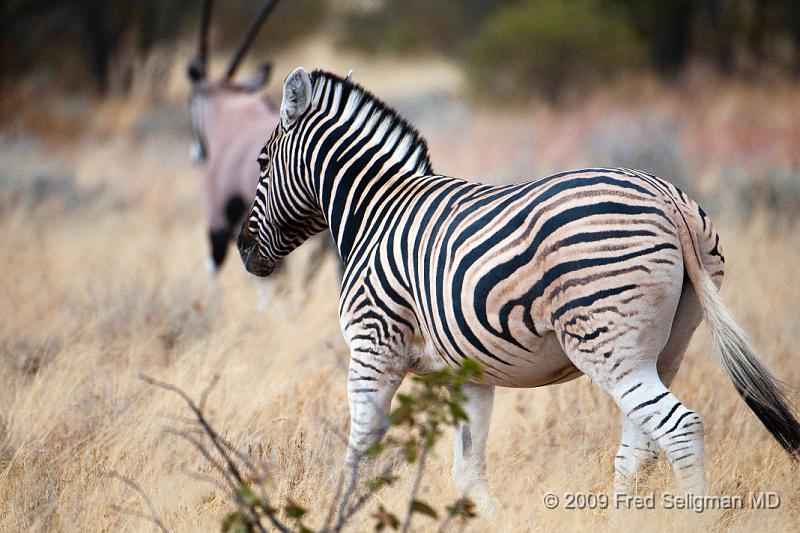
259,79
296,96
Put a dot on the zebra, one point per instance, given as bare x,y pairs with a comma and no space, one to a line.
605,272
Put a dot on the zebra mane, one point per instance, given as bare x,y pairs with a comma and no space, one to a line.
407,132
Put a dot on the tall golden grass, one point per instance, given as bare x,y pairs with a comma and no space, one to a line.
96,292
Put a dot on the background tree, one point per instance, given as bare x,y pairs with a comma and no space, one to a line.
100,43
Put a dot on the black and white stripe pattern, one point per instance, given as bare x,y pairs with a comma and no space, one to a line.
605,272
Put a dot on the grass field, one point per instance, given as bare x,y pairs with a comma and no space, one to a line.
103,243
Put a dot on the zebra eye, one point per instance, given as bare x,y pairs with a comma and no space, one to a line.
263,162
263,165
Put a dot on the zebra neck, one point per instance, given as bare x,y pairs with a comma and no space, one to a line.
358,202
360,150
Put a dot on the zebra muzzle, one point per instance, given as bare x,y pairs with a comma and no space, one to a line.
254,262
258,265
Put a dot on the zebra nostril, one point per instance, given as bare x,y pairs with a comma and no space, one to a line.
245,242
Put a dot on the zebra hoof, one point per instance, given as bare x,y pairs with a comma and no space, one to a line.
486,505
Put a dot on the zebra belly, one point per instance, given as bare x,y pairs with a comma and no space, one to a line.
545,364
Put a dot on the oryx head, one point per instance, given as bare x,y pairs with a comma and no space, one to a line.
205,89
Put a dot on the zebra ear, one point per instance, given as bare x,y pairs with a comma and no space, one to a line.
296,96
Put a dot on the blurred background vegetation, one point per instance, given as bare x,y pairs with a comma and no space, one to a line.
702,92
98,45
507,48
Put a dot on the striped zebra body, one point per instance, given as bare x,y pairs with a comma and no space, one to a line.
603,272
507,275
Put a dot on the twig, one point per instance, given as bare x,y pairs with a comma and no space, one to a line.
212,434
205,479
153,516
415,489
364,498
232,486
340,483
359,459
351,487
230,472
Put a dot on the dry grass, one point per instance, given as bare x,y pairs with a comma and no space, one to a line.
109,285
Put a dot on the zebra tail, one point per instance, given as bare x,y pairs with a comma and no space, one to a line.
764,394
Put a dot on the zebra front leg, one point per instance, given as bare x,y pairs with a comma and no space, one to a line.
370,389
469,447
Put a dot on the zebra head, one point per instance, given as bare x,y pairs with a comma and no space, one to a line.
285,211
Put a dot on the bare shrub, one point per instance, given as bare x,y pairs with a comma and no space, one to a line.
419,420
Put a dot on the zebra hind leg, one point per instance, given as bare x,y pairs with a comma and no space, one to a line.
637,452
655,411
631,348
469,447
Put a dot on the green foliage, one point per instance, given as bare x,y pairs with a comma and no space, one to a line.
293,510
434,402
423,508
412,26
247,496
384,519
543,45
462,508
545,42
235,522
510,48
383,480
427,409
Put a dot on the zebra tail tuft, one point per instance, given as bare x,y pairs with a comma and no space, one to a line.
764,394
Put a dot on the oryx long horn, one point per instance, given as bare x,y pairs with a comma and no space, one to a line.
202,45
249,36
